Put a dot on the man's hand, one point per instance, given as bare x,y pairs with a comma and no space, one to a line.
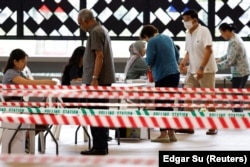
200,73
94,82
183,68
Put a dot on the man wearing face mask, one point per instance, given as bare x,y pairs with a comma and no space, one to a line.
202,65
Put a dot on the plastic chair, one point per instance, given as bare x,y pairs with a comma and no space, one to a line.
57,128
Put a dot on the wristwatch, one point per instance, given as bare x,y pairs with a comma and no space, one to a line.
94,77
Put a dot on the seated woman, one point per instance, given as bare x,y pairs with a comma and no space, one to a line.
134,69
73,70
13,75
13,71
136,65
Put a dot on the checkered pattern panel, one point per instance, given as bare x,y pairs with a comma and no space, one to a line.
39,18
236,12
123,18
8,18
49,18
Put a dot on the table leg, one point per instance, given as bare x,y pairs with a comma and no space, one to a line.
32,139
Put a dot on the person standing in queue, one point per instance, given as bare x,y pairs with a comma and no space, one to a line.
98,69
236,58
162,58
199,54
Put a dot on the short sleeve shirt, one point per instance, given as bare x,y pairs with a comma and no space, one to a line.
98,40
195,46
10,74
8,77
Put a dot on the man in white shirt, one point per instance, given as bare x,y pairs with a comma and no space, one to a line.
202,65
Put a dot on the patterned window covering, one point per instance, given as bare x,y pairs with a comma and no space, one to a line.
57,19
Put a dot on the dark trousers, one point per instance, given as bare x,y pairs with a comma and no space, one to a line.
99,134
169,81
239,82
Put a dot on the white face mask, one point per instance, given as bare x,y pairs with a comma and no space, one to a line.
188,24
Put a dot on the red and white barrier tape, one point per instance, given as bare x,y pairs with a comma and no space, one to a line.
131,121
121,105
124,95
127,88
82,161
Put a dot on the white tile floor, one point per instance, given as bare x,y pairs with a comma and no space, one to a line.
224,140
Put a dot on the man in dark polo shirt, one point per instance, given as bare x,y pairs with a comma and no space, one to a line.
98,69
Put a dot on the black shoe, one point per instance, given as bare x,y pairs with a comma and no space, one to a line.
212,132
189,131
95,152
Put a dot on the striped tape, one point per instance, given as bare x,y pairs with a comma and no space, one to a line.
83,161
143,88
235,121
128,105
103,112
126,95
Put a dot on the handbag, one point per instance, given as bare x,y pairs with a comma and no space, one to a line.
150,75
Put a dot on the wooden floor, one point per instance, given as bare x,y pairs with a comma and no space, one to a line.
143,149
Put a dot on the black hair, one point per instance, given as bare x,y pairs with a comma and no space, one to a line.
192,13
225,26
16,54
76,56
74,60
149,31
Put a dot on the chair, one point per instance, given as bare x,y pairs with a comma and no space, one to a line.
57,128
